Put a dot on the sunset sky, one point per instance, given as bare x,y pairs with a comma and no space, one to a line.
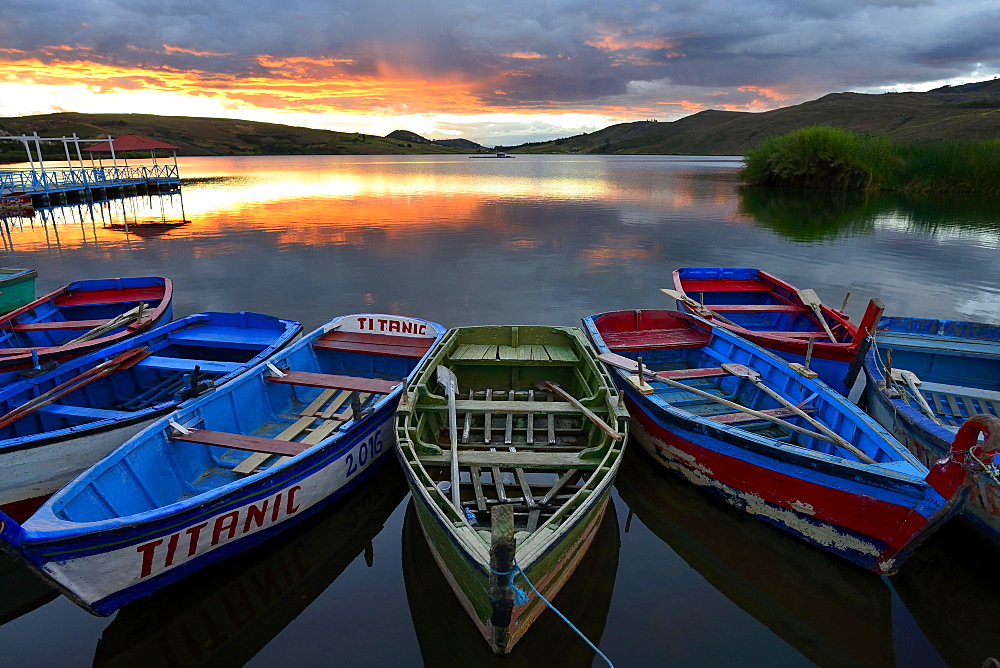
494,72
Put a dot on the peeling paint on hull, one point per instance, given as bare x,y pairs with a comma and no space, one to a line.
821,526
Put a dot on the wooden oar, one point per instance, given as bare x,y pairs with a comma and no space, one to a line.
696,305
120,362
449,381
630,365
122,320
753,376
591,415
912,381
812,300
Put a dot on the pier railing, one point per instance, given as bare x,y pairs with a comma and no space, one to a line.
32,181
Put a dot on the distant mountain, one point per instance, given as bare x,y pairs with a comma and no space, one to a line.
212,136
414,138
964,113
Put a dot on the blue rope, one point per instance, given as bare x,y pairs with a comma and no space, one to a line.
517,569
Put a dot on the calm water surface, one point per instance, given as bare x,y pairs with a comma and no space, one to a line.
677,579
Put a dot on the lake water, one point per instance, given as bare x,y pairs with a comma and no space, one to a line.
677,579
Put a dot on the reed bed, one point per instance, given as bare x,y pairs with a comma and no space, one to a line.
826,157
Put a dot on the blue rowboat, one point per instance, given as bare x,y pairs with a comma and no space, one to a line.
228,469
739,422
58,423
79,318
17,288
777,316
943,372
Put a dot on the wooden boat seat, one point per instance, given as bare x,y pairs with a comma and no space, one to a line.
223,337
330,421
693,286
523,459
123,297
57,325
375,344
182,364
759,308
656,339
803,335
242,442
743,418
535,354
68,410
335,382
684,374
511,407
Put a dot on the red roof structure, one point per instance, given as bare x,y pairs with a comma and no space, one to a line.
131,142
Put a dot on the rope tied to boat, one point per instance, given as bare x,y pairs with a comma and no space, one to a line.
517,569
520,598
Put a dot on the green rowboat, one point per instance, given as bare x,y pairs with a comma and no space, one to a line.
510,438
17,288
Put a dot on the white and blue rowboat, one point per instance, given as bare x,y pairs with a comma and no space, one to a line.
230,468
742,424
54,425
942,372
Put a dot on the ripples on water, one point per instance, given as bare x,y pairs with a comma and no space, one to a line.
534,239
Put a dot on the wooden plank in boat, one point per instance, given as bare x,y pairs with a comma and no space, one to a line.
502,406
562,354
375,344
183,364
328,380
682,374
960,390
803,335
92,297
58,325
759,308
656,339
520,459
693,286
242,442
738,418
474,352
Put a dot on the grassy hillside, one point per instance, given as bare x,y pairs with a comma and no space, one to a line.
957,113
209,136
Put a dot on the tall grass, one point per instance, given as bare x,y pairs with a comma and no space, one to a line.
825,157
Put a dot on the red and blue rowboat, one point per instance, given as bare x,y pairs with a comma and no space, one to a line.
764,309
81,317
229,469
736,420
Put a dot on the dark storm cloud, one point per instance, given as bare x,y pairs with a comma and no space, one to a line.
571,54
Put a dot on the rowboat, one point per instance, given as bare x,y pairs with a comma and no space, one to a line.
810,599
793,323
56,424
224,471
227,613
585,599
942,373
739,422
81,317
17,287
510,438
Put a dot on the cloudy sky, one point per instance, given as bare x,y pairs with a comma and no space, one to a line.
495,72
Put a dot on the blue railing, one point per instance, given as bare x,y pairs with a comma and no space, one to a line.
49,180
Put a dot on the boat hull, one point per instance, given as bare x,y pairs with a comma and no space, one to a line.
17,288
49,464
102,571
469,577
852,519
967,349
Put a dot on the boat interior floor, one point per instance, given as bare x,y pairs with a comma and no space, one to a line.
515,447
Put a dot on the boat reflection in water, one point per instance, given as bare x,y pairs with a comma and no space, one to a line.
227,613
833,613
448,637
951,588
21,591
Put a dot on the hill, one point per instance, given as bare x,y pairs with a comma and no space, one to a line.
214,136
957,113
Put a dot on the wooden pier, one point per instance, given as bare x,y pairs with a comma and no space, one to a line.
74,181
